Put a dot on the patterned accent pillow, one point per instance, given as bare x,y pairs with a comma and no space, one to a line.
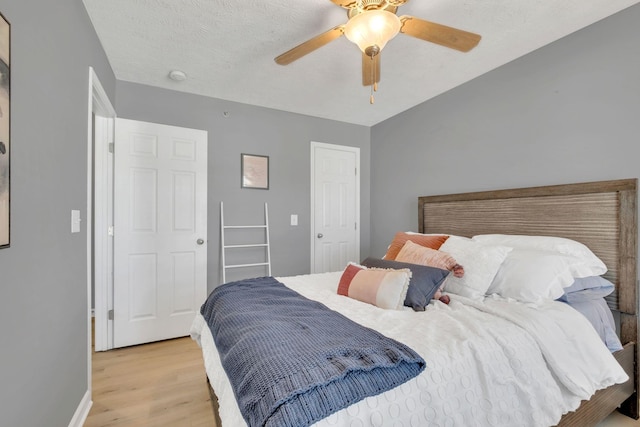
433,241
381,287
416,254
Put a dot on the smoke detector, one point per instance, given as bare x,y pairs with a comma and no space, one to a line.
177,75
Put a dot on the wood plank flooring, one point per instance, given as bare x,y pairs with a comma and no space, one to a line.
159,384
618,420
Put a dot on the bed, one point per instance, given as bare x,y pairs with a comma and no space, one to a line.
600,215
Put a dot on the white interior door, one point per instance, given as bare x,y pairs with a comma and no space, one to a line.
335,200
160,230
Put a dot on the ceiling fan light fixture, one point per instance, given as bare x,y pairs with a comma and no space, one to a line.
372,28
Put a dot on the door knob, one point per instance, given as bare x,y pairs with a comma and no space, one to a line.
320,235
200,241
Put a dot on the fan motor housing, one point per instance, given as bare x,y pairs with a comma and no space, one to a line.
372,4
366,5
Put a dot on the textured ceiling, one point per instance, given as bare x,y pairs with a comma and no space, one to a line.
227,49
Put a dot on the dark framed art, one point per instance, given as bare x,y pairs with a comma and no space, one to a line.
255,171
5,122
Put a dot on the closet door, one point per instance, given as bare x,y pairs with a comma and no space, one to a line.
335,200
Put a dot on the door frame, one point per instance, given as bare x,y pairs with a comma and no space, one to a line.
99,240
346,148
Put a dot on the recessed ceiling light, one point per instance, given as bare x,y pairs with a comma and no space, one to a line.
177,75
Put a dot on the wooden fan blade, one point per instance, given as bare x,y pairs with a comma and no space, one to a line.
310,45
368,65
439,34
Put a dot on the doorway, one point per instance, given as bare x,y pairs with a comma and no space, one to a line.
335,206
100,120
183,188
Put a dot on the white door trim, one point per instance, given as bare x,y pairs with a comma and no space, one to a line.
349,149
100,105
101,161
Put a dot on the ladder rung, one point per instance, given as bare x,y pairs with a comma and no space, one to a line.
224,247
246,265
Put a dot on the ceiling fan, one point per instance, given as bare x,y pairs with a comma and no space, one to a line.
371,24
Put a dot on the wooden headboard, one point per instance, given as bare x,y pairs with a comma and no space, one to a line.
602,215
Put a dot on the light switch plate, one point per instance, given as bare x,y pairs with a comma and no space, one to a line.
294,219
75,221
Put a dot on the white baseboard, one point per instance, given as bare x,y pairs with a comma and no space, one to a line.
82,412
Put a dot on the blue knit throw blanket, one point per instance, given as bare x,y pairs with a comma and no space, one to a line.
293,361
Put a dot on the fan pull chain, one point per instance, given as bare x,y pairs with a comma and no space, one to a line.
374,84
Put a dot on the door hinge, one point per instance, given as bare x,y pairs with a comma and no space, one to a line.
110,230
111,147
355,226
356,171
110,315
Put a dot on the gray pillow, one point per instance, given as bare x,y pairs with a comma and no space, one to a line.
425,280
587,288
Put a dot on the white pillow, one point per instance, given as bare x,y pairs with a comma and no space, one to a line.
584,262
480,262
531,275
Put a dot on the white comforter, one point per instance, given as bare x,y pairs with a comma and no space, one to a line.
491,363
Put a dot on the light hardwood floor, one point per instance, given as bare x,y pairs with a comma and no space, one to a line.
163,384
618,420
159,384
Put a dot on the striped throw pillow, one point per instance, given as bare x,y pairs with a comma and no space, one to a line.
384,288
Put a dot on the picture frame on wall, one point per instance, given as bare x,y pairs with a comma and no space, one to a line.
5,131
255,171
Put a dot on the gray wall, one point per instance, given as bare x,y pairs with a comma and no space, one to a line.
43,275
284,137
568,112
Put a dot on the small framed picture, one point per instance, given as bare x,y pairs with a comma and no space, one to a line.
255,171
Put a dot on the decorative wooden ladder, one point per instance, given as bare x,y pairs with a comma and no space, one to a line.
224,246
